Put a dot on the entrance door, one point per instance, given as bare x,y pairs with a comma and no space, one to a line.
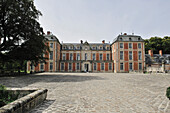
86,67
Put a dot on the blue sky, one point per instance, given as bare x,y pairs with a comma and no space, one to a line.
97,20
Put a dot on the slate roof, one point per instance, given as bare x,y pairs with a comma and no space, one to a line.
127,38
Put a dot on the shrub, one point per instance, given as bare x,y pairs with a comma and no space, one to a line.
168,92
6,97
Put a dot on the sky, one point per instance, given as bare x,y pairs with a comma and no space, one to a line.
97,20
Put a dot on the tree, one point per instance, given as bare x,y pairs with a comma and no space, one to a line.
157,43
20,32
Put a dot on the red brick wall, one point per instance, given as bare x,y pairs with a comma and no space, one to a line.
97,56
125,45
135,56
104,56
126,55
46,66
126,66
66,66
74,67
106,66
74,56
135,65
67,56
98,66
134,45
37,68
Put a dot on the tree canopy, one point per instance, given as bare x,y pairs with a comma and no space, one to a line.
158,43
20,32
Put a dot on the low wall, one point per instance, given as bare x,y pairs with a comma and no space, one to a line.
26,103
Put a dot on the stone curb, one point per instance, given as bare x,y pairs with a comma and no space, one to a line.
25,103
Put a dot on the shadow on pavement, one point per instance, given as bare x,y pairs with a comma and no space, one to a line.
24,81
42,107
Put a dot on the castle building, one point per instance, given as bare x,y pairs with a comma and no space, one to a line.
126,53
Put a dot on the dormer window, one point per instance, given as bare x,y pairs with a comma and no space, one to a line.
108,48
130,39
138,38
94,48
52,38
120,38
78,47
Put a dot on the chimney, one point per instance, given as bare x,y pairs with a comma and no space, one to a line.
160,52
48,32
150,52
81,41
125,34
103,41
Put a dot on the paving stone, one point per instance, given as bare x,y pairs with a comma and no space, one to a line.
98,92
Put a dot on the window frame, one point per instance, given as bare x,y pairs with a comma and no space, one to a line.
121,55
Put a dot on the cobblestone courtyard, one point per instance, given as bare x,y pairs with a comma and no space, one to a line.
98,92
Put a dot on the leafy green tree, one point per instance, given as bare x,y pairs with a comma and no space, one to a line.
166,45
20,33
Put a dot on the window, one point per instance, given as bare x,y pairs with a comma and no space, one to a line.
95,67
100,48
51,45
121,45
94,56
62,66
139,45
121,66
108,48
78,66
51,55
130,55
51,65
71,56
121,55
101,56
94,48
130,66
110,66
102,66
64,56
130,39
108,55
130,45
140,66
78,56
70,66
78,47
85,56
64,47
42,67
139,55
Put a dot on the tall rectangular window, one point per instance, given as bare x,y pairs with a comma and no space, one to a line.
78,56
70,66
95,66
94,56
62,66
78,66
121,45
85,56
42,67
71,56
121,66
51,66
110,66
139,45
51,45
64,56
130,66
140,66
101,56
139,55
121,55
102,66
51,55
130,55
108,56
130,45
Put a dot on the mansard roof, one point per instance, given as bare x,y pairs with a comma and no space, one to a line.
51,37
128,38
